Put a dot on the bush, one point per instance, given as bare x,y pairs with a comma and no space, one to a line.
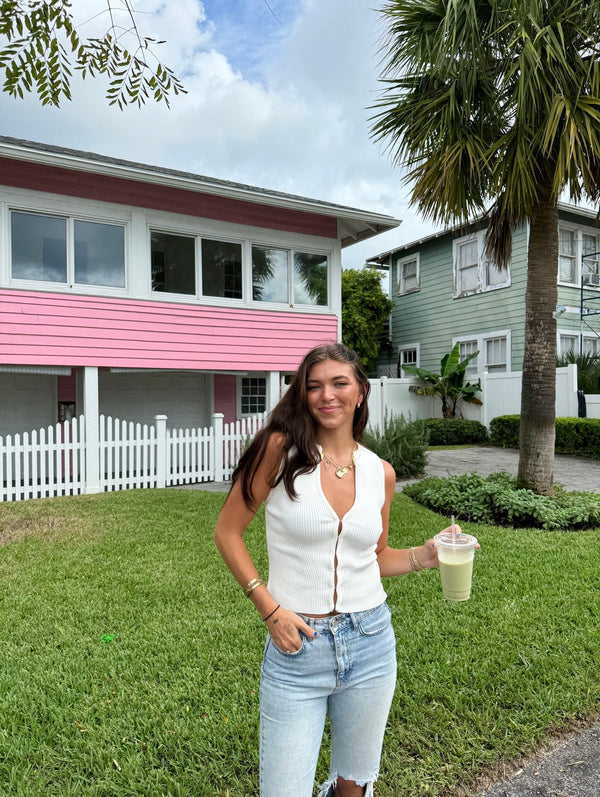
580,436
498,501
403,444
455,431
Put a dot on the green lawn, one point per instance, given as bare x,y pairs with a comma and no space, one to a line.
129,658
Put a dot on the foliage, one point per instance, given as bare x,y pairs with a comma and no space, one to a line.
455,431
170,706
574,436
493,108
449,384
43,45
588,369
497,500
403,443
365,311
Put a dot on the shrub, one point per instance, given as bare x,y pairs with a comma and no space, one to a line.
580,436
402,443
455,431
498,501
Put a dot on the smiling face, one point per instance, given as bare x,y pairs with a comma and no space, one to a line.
332,394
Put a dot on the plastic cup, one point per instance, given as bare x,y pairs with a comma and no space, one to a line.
456,553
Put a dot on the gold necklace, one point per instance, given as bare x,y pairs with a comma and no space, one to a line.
340,470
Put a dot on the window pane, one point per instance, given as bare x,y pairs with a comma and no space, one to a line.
468,267
468,279
408,276
469,347
590,266
591,345
496,354
173,263
569,343
39,247
269,275
99,254
493,275
566,255
253,397
221,269
310,279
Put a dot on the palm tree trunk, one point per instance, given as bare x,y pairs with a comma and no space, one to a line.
538,392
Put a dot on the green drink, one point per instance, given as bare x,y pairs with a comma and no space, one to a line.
456,554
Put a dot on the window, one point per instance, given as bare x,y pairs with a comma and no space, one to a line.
407,355
474,272
591,345
493,352
408,275
273,280
590,262
173,263
578,257
253,395
221,269
567,343
68,251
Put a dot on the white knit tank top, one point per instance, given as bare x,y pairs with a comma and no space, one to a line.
303,542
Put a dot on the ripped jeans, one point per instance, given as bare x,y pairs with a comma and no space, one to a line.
347,673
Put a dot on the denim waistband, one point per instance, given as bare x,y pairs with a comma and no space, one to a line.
323,624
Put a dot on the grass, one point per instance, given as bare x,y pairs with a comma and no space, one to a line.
129,658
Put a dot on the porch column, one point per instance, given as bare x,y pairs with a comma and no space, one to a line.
92,439
273,389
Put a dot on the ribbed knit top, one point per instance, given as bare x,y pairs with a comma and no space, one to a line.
303,542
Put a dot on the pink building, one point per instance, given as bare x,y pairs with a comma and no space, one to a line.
131,290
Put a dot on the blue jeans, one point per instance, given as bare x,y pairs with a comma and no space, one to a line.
347,673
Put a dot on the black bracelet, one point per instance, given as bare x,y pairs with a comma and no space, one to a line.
272,613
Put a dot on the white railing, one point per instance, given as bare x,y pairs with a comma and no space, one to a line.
127,455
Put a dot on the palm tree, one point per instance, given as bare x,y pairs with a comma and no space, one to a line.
494,108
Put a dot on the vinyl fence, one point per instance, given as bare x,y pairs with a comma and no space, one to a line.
68,459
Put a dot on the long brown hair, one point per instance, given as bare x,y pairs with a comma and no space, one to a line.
292,419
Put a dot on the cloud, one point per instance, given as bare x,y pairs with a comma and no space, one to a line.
277,97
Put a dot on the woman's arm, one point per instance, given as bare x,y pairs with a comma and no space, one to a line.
232,522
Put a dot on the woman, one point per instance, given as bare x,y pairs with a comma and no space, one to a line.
330,649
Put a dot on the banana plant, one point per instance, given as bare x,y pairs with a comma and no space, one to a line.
449,384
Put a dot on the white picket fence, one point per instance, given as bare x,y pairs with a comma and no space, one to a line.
122,455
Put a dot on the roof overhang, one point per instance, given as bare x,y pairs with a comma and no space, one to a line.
354,225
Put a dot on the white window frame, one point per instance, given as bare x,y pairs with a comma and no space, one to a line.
478,366
579,231
239,391
401,289
482,265
409,347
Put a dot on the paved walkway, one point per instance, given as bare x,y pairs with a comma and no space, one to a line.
569,767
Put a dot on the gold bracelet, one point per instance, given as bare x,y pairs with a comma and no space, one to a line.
252,585
415,565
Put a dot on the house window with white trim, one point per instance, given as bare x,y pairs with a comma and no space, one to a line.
474,272
253,395
66,250
568,343
493,352
578,256
407,355
591,345
286,277
408,275
590,259
567,256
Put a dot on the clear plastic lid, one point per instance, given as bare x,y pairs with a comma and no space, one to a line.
457,541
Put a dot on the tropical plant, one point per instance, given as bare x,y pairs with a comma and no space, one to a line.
588,369
402,442
41,45
494,108
365,313
449,384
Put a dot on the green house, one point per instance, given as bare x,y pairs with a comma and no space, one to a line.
445,290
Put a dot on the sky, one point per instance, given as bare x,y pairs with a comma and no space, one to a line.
279,96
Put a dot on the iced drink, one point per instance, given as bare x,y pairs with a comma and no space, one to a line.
455,554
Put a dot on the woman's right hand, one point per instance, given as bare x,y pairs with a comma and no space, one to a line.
286,628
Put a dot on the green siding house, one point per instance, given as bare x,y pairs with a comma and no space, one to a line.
445,290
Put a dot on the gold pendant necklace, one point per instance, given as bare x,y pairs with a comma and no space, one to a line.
340,470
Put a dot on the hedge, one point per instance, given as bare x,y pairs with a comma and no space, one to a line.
455,431
580,436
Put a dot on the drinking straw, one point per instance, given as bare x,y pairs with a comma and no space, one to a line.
453,531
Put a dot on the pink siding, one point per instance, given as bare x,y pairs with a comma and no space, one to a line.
75,183
225,396
60,329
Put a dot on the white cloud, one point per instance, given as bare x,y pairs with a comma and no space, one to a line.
279,100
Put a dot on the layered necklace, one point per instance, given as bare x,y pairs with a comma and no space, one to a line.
340,470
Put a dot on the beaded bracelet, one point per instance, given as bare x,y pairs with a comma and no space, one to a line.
252,585
415,565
